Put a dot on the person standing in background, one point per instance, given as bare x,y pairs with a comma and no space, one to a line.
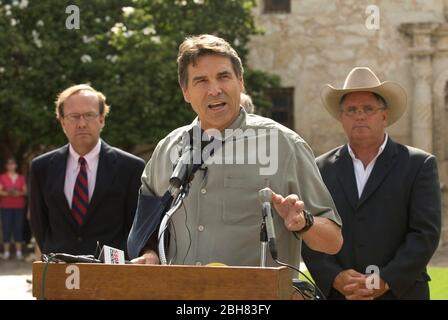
86,191
387,193
12,204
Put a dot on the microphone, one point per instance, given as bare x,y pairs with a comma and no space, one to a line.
108,255
69,258
265,196
191,159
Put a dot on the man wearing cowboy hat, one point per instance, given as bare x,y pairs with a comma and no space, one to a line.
387,194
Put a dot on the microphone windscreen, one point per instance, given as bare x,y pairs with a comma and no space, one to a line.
265,195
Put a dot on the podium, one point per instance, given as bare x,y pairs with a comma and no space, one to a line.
155,282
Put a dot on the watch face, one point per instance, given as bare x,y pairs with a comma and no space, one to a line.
309,220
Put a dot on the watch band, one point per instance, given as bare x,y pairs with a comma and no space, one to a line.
309,221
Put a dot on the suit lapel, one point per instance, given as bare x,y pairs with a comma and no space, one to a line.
384,163
346,175
56,180
107,166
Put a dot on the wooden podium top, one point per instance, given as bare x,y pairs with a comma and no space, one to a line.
155,282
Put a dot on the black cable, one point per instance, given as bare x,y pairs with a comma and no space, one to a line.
299,291
162,234
296,269
97,250
303,274
47,259
168,225
175,237
174,240
189,233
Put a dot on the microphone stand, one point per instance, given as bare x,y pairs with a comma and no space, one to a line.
183,192
180,184
264,243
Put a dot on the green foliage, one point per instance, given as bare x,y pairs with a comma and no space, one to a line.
256,83
39,57
126,49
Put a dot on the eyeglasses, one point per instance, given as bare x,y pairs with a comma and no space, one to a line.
75,117
367,110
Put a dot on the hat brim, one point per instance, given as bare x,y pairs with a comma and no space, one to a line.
392,93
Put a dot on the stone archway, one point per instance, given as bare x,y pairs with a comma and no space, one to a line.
440,94
429,107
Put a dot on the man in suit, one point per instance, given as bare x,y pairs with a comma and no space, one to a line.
85,191
388,196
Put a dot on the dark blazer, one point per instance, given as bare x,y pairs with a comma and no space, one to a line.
395,225
111,210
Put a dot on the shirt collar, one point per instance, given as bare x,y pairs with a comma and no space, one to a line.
90,156
380,149
237,123
234,125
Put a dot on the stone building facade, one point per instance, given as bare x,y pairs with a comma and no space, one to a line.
309,43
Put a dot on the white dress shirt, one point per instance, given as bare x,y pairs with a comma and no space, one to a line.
361,174
73,167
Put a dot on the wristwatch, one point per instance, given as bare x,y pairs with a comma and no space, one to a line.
309,221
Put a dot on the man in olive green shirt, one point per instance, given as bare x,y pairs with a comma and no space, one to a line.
221,218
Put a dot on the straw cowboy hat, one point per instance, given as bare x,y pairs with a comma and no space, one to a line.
363,79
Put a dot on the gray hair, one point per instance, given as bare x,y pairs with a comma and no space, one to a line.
246,103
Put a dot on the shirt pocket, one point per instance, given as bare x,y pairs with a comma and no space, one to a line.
241,205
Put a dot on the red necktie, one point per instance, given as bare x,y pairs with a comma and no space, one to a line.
80,201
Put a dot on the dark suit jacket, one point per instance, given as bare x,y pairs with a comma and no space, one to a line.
395,225
111,210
